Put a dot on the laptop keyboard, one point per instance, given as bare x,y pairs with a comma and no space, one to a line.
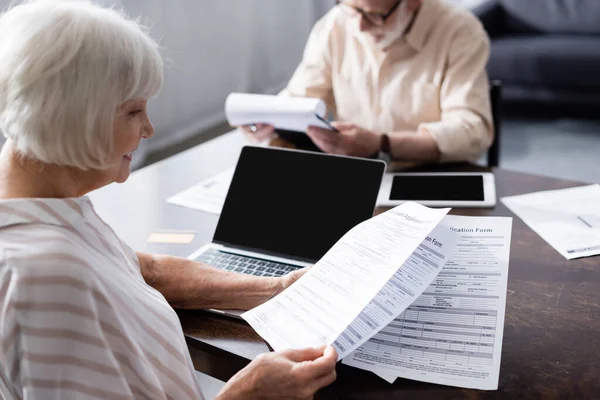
244,264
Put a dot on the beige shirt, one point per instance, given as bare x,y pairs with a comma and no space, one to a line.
433,78
77,319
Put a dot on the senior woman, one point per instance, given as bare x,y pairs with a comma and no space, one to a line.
81,314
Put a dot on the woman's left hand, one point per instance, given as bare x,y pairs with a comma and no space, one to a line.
287,280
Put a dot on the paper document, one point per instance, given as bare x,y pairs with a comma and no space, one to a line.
388,378
208,195
403,288
568,219
289,113
363,282
452,334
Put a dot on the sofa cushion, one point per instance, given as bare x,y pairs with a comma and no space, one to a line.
548,60
514,24
556,16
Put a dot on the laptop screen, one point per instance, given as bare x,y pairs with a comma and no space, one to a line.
296,204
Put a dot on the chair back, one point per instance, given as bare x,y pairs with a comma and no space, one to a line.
493,156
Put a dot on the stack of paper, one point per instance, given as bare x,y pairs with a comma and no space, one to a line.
409,293
568,219
288,113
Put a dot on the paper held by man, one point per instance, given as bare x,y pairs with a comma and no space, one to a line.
287,113
409,293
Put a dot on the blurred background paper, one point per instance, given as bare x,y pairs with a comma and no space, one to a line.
208,195
568,219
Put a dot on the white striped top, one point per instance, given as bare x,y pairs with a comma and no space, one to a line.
77,319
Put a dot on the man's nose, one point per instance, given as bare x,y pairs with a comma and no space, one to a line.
363,24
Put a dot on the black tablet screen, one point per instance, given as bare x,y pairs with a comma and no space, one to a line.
437,187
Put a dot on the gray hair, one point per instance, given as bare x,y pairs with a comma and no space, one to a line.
65,67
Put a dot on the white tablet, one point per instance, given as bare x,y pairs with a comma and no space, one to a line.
437,189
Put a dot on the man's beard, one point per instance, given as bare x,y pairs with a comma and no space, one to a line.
403,20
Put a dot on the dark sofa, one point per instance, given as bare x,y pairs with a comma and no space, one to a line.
545,51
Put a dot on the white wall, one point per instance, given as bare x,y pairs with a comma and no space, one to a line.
215,47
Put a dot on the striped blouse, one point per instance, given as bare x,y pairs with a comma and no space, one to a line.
77,319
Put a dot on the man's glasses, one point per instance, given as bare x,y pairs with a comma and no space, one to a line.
376,18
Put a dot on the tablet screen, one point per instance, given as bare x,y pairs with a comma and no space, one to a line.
437,188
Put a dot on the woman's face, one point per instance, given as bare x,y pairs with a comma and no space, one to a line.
131,126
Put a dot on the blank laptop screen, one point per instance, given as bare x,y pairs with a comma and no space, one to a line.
296,204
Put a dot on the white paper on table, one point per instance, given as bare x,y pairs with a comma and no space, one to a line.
452,334
568,219
208,195
387,378
318,308
289,113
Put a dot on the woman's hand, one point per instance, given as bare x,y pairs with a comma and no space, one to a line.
289,279
285,375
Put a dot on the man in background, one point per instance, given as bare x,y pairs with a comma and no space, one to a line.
402,77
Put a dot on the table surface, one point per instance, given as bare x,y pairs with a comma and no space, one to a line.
551,343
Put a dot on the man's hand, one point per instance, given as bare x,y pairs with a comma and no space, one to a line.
289,374
257,133
352,140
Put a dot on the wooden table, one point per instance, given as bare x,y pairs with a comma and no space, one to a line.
551,344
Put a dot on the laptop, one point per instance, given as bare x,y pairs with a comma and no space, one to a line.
286,208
